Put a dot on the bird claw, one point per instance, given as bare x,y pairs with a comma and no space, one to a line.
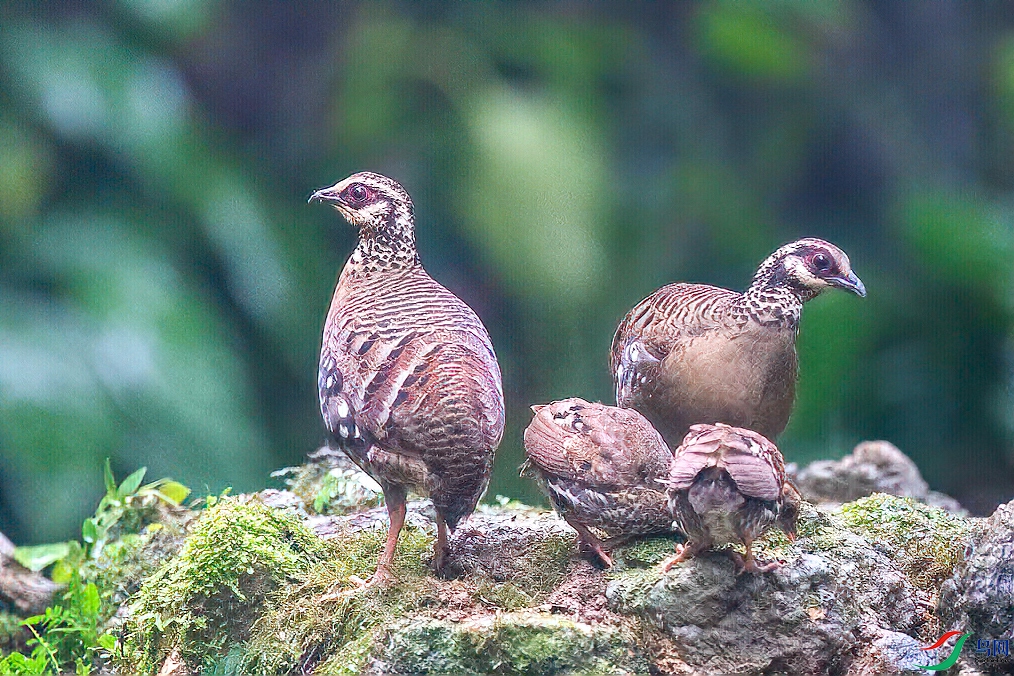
748,564
379,579
680,556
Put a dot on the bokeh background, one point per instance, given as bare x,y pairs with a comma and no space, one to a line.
163,280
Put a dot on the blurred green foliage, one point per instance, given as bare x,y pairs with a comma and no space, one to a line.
163,283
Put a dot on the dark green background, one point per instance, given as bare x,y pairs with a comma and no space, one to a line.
163,281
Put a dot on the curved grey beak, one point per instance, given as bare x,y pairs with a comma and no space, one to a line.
324,195
850,283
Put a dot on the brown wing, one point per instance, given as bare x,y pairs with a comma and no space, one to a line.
409,366
753,462
655,327
594,444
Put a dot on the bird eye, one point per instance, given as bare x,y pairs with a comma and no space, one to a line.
821,262
358,194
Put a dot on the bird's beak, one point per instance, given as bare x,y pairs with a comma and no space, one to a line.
850,283
325,195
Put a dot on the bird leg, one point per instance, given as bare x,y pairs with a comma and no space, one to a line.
748,564
683,553
396,510
382,577
440,547
586,538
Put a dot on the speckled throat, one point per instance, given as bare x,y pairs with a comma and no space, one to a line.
771,300
391,246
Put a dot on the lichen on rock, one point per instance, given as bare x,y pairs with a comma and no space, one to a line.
851,578
511,643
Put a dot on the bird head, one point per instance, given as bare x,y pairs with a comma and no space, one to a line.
810,266
371,202
788,513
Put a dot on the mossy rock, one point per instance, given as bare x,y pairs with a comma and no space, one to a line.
509,643
204,601
251,590
926,542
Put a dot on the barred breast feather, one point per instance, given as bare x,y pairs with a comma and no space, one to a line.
420,401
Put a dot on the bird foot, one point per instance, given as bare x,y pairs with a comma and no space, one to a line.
379,580
682,554
602,554
748,564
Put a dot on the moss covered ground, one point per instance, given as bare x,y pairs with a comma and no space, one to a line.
240,587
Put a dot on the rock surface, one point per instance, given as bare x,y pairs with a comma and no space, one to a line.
872,467
856,593
979,597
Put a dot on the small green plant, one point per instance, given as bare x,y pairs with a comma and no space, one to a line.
121,504
65,634
68,634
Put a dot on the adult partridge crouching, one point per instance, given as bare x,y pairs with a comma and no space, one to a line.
727,486
692,353
603,468
409,384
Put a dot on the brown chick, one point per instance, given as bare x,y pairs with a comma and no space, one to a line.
603,468
692,353
726,486
409,384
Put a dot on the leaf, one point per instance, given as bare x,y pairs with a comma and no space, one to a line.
90,600
131,483
89,530
37,557
108,477
62,572
107,641
173,492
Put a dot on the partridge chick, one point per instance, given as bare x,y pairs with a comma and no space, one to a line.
692,353
726,486
603,467
409,384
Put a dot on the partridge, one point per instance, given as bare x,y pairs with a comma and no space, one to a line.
692,353
409,384
603,468
727,485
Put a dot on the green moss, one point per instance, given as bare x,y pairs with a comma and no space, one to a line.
125,562
296,629
648,552
927,542
509,643
204,600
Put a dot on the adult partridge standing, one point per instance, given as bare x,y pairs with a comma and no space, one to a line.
603,467
409,384
726,486
692,353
